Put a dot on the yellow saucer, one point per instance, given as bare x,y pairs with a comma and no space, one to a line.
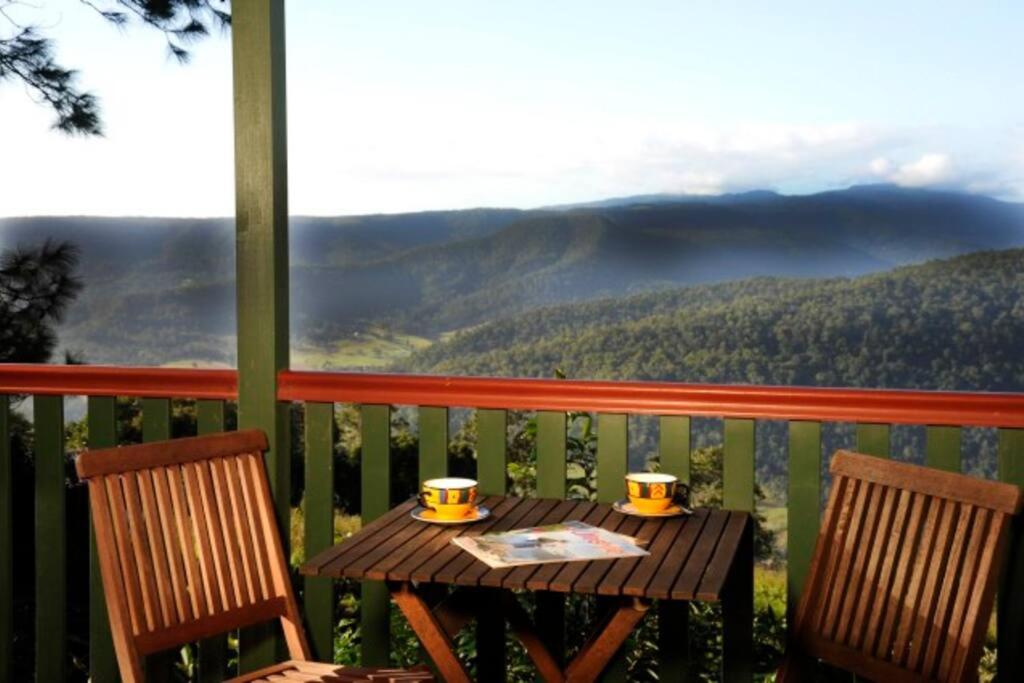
673,510
423,514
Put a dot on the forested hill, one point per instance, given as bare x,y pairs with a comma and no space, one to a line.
948,324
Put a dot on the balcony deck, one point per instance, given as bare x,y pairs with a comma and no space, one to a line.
943,415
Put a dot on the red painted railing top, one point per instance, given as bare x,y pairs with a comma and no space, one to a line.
657,398
661,398
104,380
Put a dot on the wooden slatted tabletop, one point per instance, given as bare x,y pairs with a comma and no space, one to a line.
690,557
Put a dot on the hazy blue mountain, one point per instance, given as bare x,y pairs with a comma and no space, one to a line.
163,289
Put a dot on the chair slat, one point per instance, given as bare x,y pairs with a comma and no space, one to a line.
871,592
157,547
935,567
889,552
912,596
125,553
904,569
245,534
175,555
250,498
846,538
859,560
938,638
983,595
142,552
230,528
979,527
200,592
216,599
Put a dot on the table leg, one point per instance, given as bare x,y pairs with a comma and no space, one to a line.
594,656
430,632
519,621
738,615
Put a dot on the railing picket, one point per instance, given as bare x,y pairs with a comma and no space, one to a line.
1010,607
874,439
102,433
551,471
6,546
433,443
376,501
612,456
318,596
674,446
674,616
942,448
738,494
804,506
492,475
156,426
492,451
738,465
612,464
51,540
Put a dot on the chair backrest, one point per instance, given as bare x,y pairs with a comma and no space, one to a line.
188,543
903,577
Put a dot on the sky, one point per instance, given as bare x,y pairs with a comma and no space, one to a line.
407,105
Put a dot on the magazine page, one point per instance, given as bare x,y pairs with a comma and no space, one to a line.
565,542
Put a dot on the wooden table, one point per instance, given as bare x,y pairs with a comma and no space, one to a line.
707,556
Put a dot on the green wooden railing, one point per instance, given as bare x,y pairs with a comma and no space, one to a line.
806,410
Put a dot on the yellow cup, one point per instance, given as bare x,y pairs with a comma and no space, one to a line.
651,492
449,497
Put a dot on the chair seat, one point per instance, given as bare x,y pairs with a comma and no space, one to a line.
315,672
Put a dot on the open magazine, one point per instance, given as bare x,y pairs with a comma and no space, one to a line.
565,542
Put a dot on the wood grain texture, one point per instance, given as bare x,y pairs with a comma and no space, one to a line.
686,553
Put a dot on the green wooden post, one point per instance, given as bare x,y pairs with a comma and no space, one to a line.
6,546
874,439
492,451
551,471
318,596
376,500
213,651
673,616
1010,608
942,448
261,226
738,604
51,541
433,443
102,433
804,509
491,472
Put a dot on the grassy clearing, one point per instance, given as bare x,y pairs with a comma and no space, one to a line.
374,348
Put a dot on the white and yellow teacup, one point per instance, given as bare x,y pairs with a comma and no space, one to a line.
651,492
449,497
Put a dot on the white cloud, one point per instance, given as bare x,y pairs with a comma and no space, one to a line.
928,170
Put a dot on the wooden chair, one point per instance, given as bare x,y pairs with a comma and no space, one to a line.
189,548
903,576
